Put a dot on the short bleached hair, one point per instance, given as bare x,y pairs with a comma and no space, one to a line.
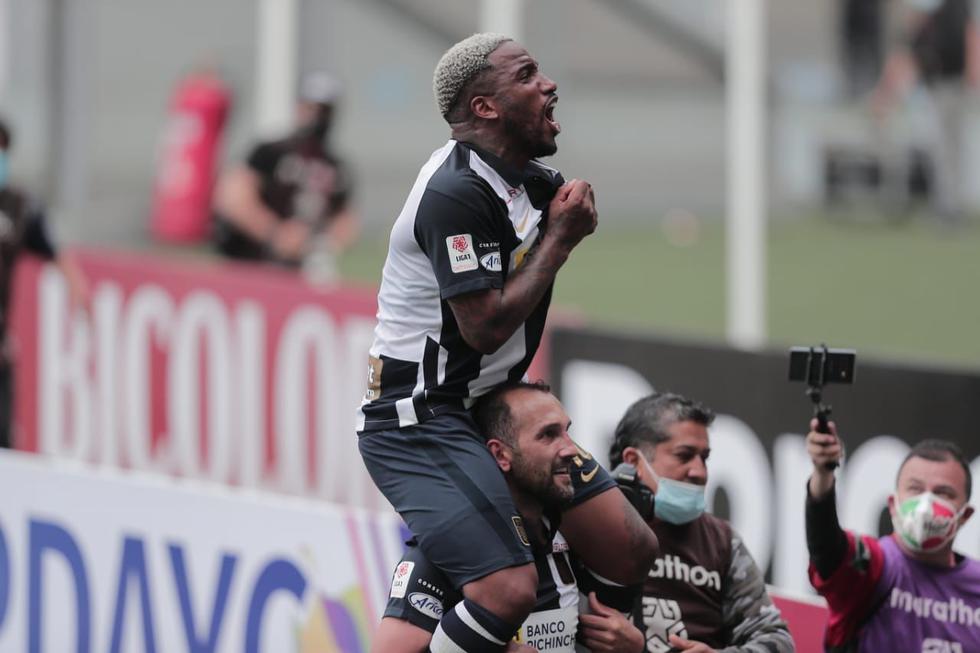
460,65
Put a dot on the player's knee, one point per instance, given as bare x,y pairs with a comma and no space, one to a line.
509,593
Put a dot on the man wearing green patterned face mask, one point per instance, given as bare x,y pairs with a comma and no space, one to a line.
908,591
704,592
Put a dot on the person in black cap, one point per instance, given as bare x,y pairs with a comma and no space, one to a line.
289,202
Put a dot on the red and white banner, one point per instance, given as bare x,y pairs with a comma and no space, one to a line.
806,616
233,373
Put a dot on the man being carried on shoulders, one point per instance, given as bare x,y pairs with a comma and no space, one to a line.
464,294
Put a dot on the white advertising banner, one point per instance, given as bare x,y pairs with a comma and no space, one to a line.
93,560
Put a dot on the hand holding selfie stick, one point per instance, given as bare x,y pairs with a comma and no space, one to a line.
819,366
821,412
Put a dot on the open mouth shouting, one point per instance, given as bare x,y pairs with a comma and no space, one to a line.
549,114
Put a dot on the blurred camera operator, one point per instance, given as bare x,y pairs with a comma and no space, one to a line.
23,229
704,592
908,591
289,202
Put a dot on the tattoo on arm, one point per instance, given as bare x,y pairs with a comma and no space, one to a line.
639,532
488,318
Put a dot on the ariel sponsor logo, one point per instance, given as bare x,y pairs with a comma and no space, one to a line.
426,604
491,261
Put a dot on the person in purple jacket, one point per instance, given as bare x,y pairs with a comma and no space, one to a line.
904,592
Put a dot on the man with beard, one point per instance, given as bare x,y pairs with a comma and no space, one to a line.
289,203
527,435
463,299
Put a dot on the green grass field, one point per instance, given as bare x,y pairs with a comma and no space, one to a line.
906,292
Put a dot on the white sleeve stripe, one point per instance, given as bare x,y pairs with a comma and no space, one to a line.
604,581
474,625
442,644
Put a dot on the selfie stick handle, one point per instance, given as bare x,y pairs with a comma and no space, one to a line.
822,412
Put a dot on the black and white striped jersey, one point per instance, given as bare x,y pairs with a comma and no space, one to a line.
420,593
469,221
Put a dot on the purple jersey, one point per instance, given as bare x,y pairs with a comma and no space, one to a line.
923,608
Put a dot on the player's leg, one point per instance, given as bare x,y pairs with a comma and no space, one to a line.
444,483
421,594
604,529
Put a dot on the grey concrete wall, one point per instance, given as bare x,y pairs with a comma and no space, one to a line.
642,120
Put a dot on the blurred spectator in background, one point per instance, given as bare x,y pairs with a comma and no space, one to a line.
704,592
289,203
23,229
940,48
908,591
862,27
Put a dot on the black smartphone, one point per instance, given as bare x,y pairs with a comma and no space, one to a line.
817,366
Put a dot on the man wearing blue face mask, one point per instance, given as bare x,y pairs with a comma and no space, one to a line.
704,592
22,230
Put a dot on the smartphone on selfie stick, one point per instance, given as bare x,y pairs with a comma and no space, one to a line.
818,366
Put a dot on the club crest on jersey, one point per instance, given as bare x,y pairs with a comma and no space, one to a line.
462,258
399,583
519,527
491,261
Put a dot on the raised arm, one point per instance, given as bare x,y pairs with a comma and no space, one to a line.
489,317
825,539
844,568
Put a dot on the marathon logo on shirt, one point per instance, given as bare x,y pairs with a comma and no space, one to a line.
462,258
952,610
673,568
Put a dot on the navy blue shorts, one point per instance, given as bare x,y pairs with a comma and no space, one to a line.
443,481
